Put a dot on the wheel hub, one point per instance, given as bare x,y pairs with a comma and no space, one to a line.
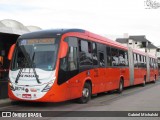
85,92
121,87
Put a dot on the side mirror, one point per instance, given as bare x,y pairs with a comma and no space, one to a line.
64,49
11,50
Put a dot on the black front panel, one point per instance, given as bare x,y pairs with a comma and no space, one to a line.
68,67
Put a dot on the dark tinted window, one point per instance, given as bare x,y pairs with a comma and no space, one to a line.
70,63
156,64
138,60
150,62
121,58
85,53
72,58
115,55
109,62
95,58
135,60
126,58
101,59
145,65
142,61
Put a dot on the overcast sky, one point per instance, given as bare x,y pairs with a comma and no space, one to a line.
105,17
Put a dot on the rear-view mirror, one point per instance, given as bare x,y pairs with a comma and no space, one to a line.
64,49
11,50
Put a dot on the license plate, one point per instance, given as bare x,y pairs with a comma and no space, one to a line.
26,95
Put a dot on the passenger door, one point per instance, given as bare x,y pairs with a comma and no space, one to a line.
73,71
68,71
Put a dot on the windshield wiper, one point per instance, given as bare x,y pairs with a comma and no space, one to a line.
30,64
20,71
33,67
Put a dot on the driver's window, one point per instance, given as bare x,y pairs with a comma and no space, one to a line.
72,58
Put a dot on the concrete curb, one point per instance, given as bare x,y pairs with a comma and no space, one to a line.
5,102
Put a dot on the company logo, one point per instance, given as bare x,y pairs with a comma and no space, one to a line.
6,114
31,76
152,4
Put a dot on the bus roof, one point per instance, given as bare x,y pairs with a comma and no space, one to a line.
58,32
106,40
49,33
138,51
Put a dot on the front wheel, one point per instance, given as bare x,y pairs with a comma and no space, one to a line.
86,94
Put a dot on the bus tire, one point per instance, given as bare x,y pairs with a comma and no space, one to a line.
154,81
144,82
86,94
120,89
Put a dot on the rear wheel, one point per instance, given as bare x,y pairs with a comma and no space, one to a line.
120,89
154,81
144,81
86,94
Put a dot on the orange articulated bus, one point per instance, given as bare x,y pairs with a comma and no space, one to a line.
64,64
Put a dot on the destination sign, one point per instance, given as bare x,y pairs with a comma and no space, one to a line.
37,41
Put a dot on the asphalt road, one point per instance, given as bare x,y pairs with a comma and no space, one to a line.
135,98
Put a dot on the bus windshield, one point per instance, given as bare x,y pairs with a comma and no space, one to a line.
37,53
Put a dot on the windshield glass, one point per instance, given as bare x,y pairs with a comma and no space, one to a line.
37,53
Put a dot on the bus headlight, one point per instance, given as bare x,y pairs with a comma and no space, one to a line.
11,86
47,87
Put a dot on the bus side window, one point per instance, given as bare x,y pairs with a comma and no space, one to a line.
135,60
154,63
150,62
72,58
115,54
85,55
145,65
139,60
101,59
69,63
142,61
121,58
95,58
109,63
126,58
